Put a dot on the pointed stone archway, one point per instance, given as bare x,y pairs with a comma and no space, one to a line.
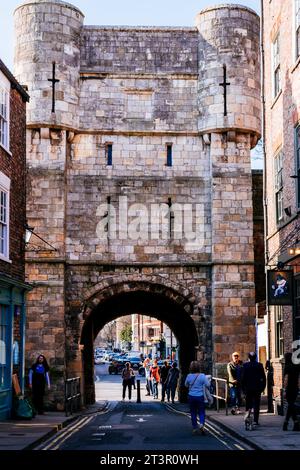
109,300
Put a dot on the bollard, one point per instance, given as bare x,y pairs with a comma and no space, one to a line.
138,391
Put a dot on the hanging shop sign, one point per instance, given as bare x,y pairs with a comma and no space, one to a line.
280,287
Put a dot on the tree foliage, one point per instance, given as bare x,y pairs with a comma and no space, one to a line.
126,334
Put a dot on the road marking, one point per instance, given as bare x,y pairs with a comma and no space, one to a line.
141,420
211,429
69,431
239,447
139,416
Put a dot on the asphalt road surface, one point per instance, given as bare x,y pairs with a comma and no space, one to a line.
129,426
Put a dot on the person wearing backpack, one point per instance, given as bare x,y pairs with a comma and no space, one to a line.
197,382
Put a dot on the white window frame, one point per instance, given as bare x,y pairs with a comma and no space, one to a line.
276,71
4,112
5,188
278,173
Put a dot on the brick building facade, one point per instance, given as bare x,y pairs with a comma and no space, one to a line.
141,117
13,288
281,37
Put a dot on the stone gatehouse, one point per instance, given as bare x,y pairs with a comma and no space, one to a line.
139,175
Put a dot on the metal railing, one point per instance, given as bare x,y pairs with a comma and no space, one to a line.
72,395
220,387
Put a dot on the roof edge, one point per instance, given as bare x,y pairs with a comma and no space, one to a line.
14,82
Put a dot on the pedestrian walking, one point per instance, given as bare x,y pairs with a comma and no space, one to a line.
270,385
155,378
164,370
38,378
127,374
253,384
196,383
147,365
291,389
234,370
172,381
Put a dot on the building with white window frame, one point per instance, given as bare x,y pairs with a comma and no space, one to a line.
281,71
13,288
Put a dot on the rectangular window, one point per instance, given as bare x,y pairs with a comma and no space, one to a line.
3,346
4,223
297,309
169,155
276,66
297,171
108,154
279,185
297,27
4,117
279,345
150,332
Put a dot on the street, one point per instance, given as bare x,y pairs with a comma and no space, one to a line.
150,425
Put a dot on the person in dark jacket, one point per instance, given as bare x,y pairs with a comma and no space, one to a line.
163,378
38,378
172,381
234,370
253,384
291,386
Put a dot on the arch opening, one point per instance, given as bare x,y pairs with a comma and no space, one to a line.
169,308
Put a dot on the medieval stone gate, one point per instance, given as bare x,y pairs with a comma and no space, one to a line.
138,150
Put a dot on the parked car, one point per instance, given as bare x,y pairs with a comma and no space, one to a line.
135,362
116,366
98,360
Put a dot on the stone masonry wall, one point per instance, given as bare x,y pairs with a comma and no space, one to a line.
138,89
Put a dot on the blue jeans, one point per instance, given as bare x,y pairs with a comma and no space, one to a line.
197,407
155,388
235,396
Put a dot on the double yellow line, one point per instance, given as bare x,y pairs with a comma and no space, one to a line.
211,429
55,443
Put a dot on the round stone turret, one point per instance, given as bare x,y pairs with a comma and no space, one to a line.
48,32
229,70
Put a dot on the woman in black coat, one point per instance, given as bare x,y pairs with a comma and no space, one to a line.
38,378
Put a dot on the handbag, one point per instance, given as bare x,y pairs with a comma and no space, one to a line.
208,398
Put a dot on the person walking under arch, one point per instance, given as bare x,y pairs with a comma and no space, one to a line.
155,378
172,381
147,365
164,370
127,374
291,387
38,378
196,383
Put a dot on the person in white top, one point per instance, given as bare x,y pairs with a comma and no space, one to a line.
196,382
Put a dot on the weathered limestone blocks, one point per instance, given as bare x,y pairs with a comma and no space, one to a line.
229,36
47,32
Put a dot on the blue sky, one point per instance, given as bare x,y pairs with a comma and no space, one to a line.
118,12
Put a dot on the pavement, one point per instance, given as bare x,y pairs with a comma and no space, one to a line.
23,434
26,435
267,436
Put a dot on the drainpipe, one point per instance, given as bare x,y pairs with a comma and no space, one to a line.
265,199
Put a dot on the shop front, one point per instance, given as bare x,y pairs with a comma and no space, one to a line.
12,340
